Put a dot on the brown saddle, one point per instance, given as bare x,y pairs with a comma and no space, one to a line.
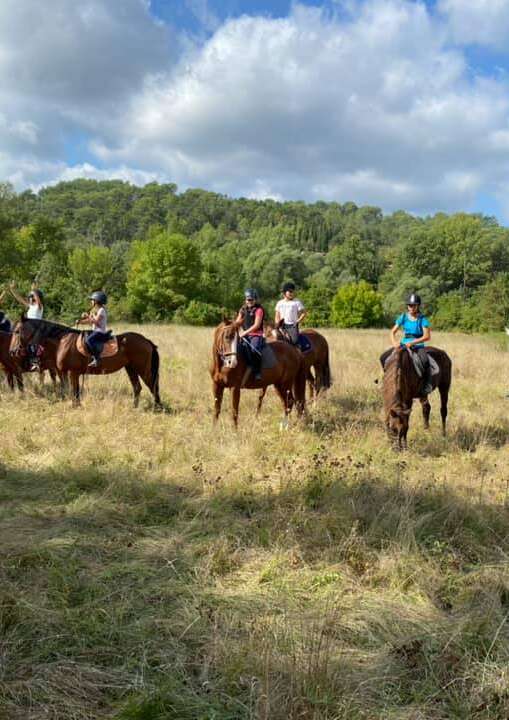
110,347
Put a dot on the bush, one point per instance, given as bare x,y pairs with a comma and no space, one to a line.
485,310
199,313
317,301
357,305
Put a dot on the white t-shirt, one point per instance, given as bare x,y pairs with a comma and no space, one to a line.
289,310
34,312
101,320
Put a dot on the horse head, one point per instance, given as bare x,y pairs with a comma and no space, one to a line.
22,335
397,404
226,343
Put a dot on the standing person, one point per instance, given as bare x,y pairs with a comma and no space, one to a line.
290,311
251,316
98,318
33,304
416,331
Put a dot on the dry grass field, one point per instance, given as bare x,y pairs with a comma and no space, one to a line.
154,567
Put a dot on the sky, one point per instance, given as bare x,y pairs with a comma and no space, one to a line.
402,104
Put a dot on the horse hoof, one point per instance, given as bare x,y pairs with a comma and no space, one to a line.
283,425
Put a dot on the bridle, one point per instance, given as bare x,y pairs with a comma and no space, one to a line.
22,341
221,349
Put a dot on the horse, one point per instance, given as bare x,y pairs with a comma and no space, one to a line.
229,369
11,366
317,357
137,354
401,384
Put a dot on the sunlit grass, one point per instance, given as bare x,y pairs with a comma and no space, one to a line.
154,566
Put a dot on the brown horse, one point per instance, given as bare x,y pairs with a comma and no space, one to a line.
137,354
11,366
401,384
229,369
316,358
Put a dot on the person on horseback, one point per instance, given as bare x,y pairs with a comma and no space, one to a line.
34,311
251,317
290,311
98,318
5,323
416,331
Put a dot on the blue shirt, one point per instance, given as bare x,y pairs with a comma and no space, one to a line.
412,329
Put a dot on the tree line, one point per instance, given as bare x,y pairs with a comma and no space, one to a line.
163,255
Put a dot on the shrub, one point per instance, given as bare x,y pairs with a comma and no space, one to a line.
199,313
357,305
317,301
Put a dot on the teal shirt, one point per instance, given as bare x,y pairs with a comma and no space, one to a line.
412,329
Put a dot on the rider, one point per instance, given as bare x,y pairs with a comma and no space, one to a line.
416,331
34,311
98,318
251,316
290,311
5,323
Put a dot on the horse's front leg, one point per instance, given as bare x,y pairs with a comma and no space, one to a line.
218,390
235,405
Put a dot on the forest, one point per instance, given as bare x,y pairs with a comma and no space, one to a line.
164,255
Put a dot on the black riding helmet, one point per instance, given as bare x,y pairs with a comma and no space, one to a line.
288,286
37,293
413,299
99,296
250,293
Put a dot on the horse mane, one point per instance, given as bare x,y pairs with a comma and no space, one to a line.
395,380
49,330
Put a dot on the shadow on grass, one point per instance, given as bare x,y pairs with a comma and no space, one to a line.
123,591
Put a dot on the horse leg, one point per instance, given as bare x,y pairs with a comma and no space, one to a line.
64,385
75,387
444,396
426,410
218,390
260,399
135,382
312,384
235,405
286,397
53,376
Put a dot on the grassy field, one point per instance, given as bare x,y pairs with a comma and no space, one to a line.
154,567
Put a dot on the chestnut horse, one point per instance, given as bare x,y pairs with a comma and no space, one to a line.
136,354
229,369
317,357
401,384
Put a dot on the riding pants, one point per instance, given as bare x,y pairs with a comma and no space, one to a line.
95,342
293,332
427,381
254,345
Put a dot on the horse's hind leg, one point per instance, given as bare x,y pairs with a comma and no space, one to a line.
426,410
218,390
260,399
286,396
444,397
235,405
135,382
75,386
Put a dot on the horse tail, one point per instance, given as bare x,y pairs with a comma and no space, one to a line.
326,376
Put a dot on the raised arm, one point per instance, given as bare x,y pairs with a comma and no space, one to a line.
17,296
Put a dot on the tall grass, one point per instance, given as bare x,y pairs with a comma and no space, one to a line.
154,567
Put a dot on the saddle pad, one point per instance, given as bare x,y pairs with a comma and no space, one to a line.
110,348
433,366
269,359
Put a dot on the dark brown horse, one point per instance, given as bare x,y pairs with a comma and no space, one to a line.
229,369
137,354
401,384
317,358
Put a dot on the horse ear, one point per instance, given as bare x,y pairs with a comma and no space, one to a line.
226,319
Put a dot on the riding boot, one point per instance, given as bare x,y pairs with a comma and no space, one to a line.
95,362
427,379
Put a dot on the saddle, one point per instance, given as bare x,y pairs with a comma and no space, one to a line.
419,368
110,347
269,359
302,342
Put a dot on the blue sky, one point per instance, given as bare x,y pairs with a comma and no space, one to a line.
403,104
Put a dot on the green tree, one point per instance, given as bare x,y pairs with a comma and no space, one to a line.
164,274
91,268
357,305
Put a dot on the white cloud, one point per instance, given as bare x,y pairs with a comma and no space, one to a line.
376,108
479,22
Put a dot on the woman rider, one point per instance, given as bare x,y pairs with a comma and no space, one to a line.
416,331
251,316
34,311
98,318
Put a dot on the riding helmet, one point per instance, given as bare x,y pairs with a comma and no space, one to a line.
288,286
99,296
413,299
251,293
